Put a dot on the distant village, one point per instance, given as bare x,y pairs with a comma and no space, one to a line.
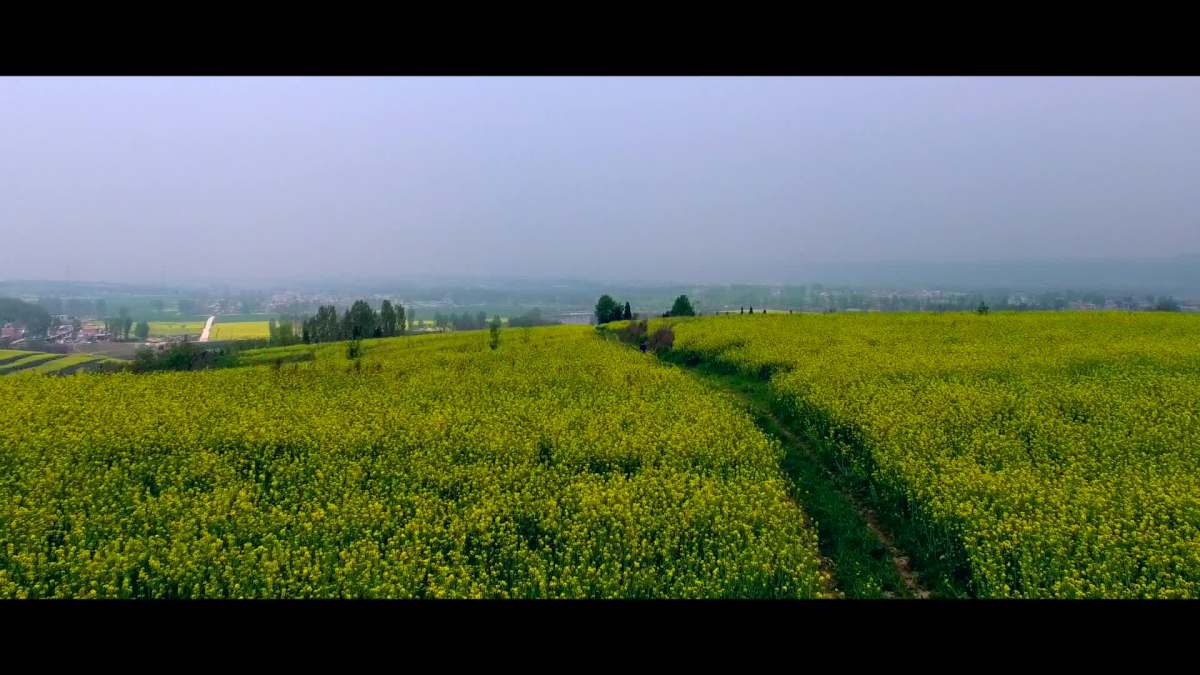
70,331
74,325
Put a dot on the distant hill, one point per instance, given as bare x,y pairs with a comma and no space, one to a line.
1178,275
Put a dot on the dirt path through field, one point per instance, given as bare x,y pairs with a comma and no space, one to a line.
207,327
862,556
900,560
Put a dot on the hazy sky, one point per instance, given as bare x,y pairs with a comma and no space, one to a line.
688,179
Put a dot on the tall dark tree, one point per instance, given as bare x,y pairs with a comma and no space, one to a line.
124,322
682,307
628,315
607,309
401,326
494,338
143,330
332,325
323,327
286,333
387,319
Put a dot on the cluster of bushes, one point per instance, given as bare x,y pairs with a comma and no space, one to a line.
182,356
638,333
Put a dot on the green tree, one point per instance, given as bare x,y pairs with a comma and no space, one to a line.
494,338
286,333
126,323
607,309
982,308
361,321
143,330
387,319
400,321
682,307
628,315
34,318
329,325
144,359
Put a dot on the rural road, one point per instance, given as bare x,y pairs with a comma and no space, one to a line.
207,327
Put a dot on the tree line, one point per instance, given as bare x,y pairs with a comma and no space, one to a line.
530,319
120,327
356,323
465,321
35,319
283,332
608,309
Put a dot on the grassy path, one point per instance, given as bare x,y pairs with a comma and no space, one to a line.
862,556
